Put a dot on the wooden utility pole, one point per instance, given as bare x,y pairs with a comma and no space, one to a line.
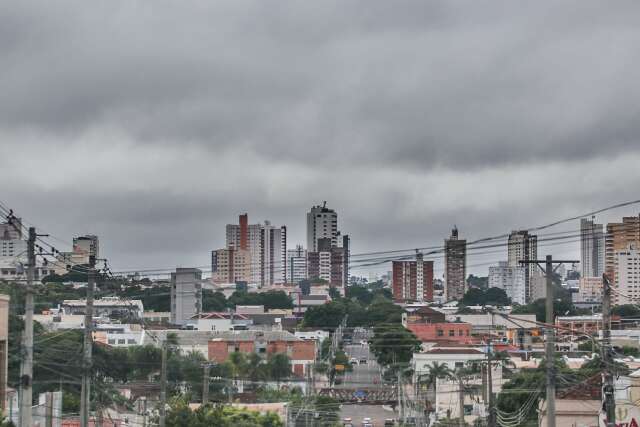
606,356
26,377
550,351
85,393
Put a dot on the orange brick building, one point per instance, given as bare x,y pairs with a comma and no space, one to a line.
445,331
301,352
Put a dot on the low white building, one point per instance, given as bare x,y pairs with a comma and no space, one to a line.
118,335
218,321
55,321
318,335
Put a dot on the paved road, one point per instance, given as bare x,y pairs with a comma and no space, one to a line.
366,375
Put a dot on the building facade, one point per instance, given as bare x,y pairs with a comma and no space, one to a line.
523,246
230,265
302,353
591,248
589,291
628,276
11,230
511,280
186,294
408,284
619,237
296,264
273,254
266,246
88,246
455,262
322,223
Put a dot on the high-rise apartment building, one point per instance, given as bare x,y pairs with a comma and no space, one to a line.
322,223
455,261
407,282
266,246
628,276
619,237
510,279
230,265
296,264
186,294
87,246
523,246
273,254
15,249
329,262
589,291
591,248
11,230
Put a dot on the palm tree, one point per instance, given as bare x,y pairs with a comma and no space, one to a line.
436,371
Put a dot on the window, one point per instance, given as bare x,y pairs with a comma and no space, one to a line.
459,365
131,341
460,333
121,341
112,341
440,332
452,333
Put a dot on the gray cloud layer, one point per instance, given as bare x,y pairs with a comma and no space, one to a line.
155,123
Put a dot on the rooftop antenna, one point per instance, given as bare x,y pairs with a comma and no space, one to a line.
324,204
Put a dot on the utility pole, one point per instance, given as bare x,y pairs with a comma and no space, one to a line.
491,420
85,394
606,356
461,401
550,351
26,378
400,396
163,384
205,384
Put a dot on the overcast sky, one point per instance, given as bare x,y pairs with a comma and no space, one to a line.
155,123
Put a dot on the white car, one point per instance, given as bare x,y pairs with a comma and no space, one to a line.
353,361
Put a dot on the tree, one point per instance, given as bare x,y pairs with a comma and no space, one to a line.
491,296
477,282
393,344
436,371
626,311
279,367
360,294
270,299
562,306
324,316
213,301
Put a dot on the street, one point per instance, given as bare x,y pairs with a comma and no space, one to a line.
363,376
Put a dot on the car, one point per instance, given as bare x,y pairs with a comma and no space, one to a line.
353,361
347,422
389,422
364,361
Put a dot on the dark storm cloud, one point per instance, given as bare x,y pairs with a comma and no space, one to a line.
156,123
421,83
